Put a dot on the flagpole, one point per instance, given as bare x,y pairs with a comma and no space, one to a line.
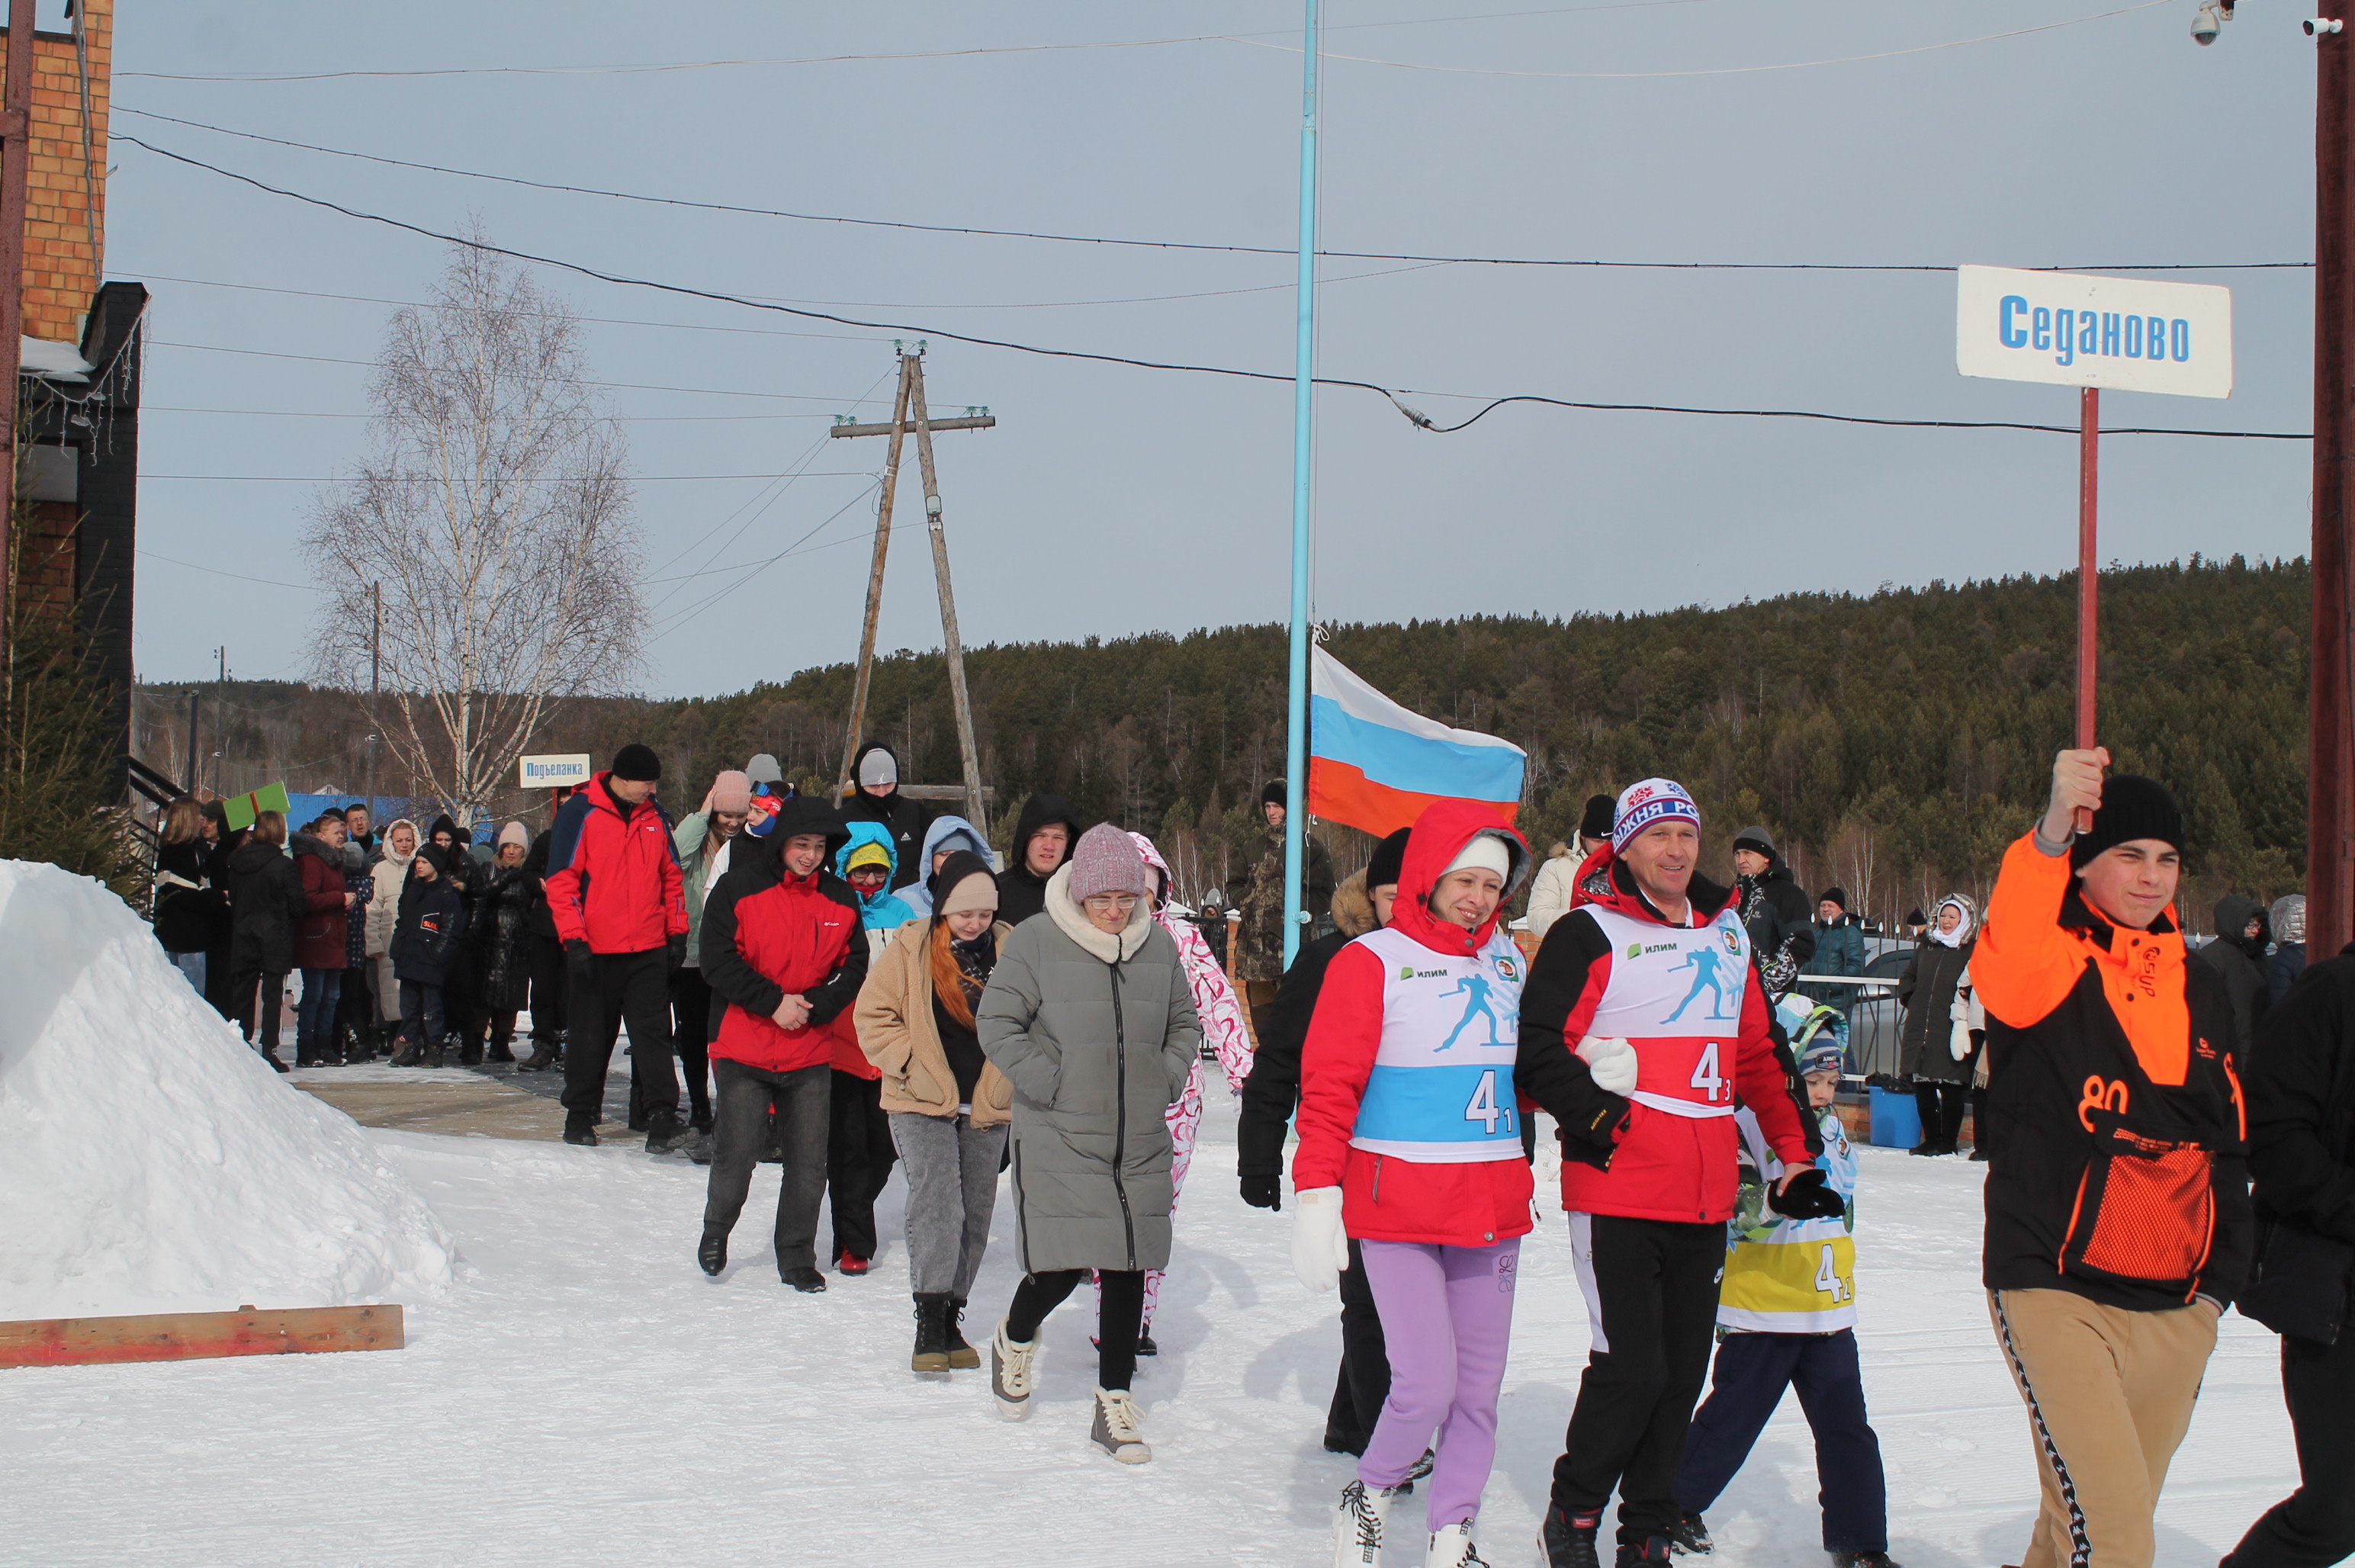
1303,387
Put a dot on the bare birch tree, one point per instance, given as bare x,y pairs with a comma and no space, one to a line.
495,514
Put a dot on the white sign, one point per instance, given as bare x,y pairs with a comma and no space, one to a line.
554,771
2078,331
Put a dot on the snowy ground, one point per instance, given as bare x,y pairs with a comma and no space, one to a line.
584,1396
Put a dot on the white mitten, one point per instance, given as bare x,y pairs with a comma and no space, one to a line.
1320,1248
1611,1061
1958,1040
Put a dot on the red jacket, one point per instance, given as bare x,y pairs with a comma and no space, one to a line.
320,941
768,933
1622,1157
613,880
1388,1198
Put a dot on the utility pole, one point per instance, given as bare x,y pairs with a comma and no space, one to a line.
16,170
191,774
1304,456
220,717
910,415
2331,763
376,685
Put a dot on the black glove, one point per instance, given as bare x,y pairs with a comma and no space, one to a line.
578,962
1264,1192
677,954
1809,1196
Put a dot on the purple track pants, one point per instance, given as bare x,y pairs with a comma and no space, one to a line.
1447,1317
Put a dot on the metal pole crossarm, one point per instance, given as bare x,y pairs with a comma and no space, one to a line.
984,421
1304,395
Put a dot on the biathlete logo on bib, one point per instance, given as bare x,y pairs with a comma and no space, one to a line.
1441,1085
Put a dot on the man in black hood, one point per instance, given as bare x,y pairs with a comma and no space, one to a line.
875,797
1043,836
1775,910
2239,954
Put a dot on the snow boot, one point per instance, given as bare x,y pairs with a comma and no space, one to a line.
543,1057
470,1054
1689,1537
1451,1547
712,1252
501,1051
270,1056
932,1352
1145,1345
409,1055
1653,1552
808,1281
579,1133
850,1263
1009,1372
668,1134
432,1055
1119,1428
961,1356
1567,1540
1864,1559
1359,1523
304,1056
700,1150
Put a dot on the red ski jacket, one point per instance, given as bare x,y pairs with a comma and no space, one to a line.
768,933
613,880
1635,1156
1390,1197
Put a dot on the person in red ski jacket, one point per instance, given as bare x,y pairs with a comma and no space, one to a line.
618,900
1409,1143
1641,1030
781,944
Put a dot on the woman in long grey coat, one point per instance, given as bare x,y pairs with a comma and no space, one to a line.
1089,1016
1929,1043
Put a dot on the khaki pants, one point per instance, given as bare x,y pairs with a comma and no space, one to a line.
2109,1396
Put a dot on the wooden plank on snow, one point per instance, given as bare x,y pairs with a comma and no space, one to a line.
193,1336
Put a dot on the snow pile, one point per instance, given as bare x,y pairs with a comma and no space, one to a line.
149,1160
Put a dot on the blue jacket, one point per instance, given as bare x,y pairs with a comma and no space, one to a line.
885,910
947,833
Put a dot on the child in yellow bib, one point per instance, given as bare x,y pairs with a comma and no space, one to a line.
1787,1319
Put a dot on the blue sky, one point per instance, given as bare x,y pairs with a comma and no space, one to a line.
1111,500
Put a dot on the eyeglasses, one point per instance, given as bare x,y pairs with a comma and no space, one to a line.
1122,902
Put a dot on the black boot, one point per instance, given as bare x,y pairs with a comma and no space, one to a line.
1654,1551
542,1057
409,1055
665,1133
712,1251
305,1055
1925,1110
961,1356
1567,1540
932,1352
1950,1118
270,1056
501,1050
471,1053
1689,1535
432,1055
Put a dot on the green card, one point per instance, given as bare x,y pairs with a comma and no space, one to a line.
244,809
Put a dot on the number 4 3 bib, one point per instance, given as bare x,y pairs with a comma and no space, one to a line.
1442,1088
1675,993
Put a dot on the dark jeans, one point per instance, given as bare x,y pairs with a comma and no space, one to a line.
260,1032
859,1155
620,984
2315,1524
314,1014
691,1022
421,1022
740,1135
1365,1379
1651,1291
548,984
1753,1371
1120,1316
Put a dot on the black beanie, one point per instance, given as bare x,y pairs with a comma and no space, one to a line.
637,763
1389,859
1600,811
2132,807
1835,896
1277,793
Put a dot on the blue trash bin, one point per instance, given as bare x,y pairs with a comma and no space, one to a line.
1896,1120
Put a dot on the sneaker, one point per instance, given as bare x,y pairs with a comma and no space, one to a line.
1567,1540
585,1136
668,1134
1119,1428
961,1356
1864,1559
808,1281
1690,1536
1009,1372
711,1252
1451,1547
700,1150
850,1263
1359,1523
1418,1470
1652,1552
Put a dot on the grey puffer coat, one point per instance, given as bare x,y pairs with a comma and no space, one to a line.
1097,1034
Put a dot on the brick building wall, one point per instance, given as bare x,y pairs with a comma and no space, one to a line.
65,216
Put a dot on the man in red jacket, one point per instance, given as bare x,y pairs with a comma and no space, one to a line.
617,898
781,944
1641,1027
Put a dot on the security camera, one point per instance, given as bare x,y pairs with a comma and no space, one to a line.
2207,22
2313,24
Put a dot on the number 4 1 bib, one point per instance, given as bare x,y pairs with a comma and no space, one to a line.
1675,993
1442,1087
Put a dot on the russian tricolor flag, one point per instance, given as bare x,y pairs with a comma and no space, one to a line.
1374,765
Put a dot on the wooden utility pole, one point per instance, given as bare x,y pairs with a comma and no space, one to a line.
16,169
910,414
2331,764
376,689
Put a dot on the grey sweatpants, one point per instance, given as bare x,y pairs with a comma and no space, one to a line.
951,1189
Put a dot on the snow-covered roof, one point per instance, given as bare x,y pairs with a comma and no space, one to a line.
52,361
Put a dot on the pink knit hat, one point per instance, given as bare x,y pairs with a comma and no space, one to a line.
732,792
1106,861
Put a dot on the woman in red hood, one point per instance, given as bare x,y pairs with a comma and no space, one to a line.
1409,1141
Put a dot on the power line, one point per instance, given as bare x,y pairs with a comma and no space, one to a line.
625,386
437,479
321,414
1422,420
1144,244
